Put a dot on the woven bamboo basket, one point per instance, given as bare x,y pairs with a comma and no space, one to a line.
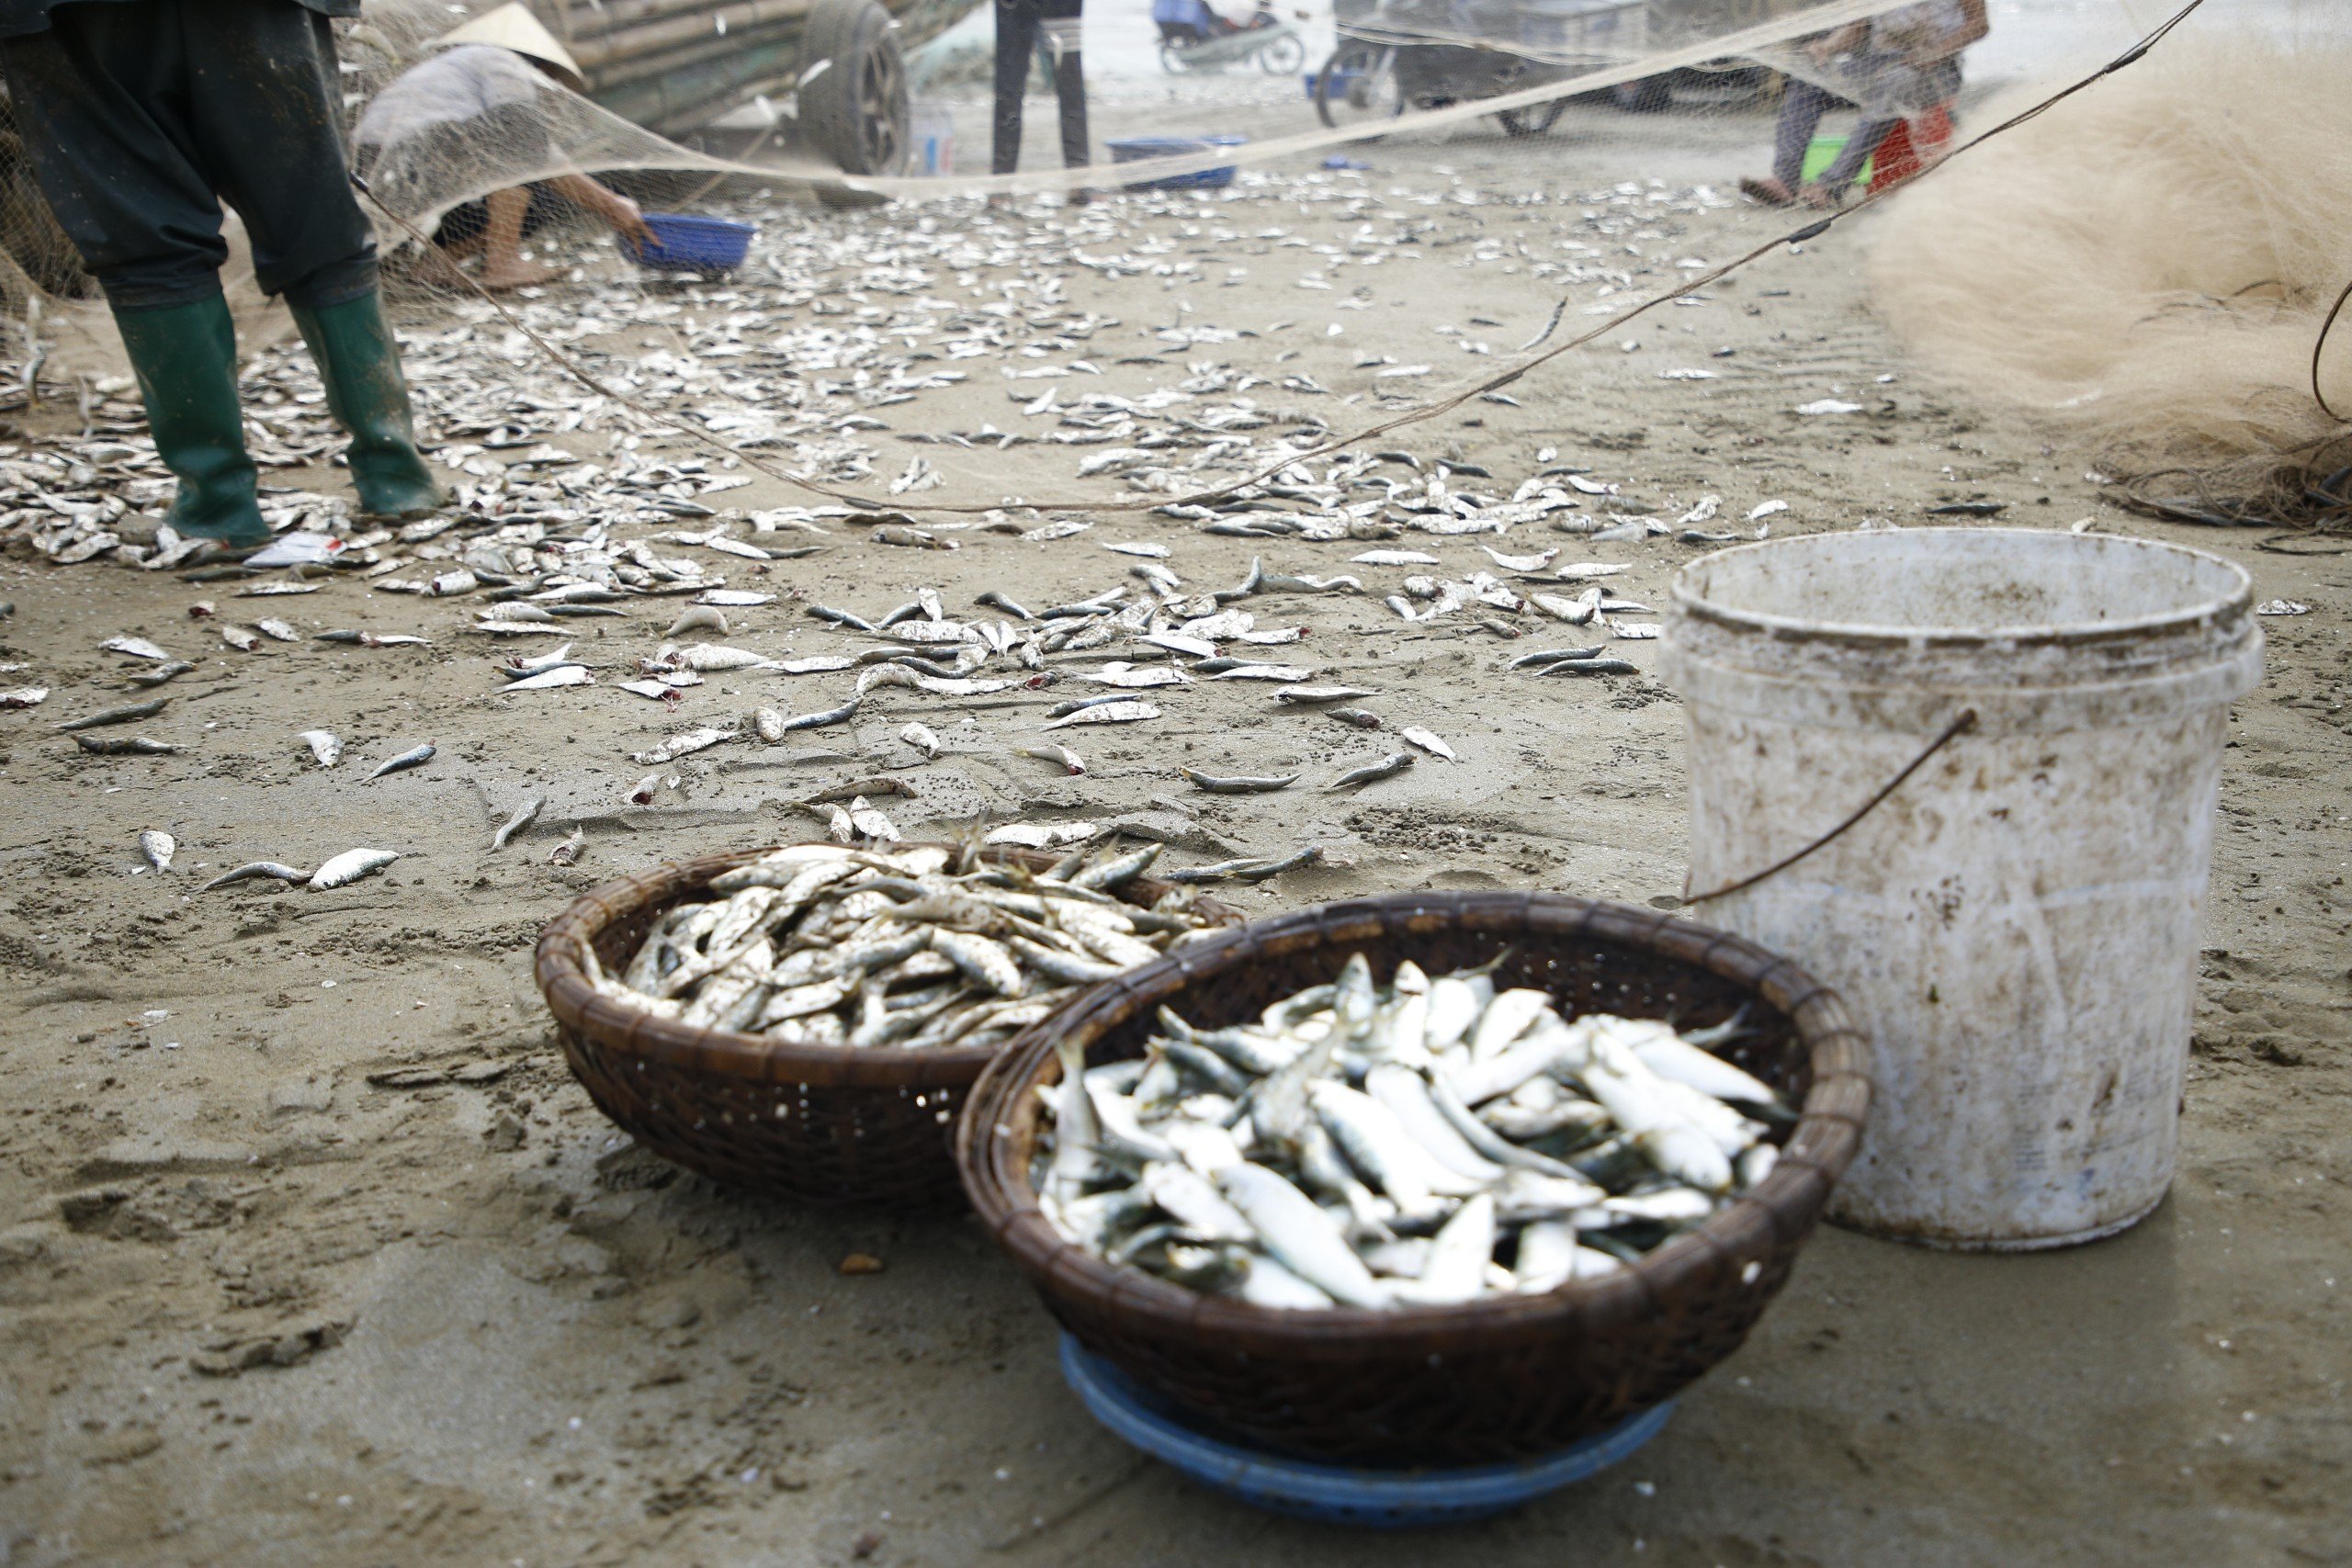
1487,1382
819,1124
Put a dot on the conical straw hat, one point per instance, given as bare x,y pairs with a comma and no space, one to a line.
513,26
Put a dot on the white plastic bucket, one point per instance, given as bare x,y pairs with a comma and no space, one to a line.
2016,926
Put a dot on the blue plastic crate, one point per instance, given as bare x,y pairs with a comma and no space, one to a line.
1378,1499
1136,149
684,244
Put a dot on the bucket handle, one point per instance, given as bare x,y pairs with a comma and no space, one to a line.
1959,727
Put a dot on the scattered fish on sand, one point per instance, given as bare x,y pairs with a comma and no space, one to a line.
324,748
1429,742
920,737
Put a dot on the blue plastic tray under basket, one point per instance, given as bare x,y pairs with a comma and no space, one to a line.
684,244
1382,1499
1136,149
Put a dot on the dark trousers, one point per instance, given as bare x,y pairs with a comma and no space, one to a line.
1801,109
1018,26
140,117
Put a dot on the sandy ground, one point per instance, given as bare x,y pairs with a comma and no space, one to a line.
311,1252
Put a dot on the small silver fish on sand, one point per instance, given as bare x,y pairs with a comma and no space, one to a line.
1311,696
240,638
349,867
134,647
1429,742
1237,784
550,680
323,746
1355,718
568,851
415,757
157,846
524,815
25,697
1109,712
124,746
698,618
123,714
1387,767
1060,756
157,676
820,720
270,626
920,737
253,870
768,725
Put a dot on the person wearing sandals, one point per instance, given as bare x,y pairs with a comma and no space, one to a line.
1892,67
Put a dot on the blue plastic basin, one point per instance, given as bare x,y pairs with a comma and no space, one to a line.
684,244
1136,149
1379,1499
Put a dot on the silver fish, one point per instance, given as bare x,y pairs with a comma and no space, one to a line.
1061,757
1238,783
414,757
324,747
124,746
126,714
920,737
134,647
1123,712
157,846
255,869
349,867
1429,742
1387,767
524,815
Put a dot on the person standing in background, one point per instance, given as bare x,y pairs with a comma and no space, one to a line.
1021,25
139,117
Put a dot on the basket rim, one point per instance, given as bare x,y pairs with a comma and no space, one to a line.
1789,1199
652,1040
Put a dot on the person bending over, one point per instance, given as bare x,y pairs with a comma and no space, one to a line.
481,99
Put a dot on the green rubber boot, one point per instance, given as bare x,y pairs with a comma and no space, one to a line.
185,359
361,367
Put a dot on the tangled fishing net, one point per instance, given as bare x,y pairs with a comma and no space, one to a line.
2154,263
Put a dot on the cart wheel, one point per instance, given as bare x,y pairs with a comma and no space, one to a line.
1533,120
1283,56
1172,59
853,110
1358,83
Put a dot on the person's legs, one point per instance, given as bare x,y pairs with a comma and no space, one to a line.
95,98
503,264
1852,156
1064,31
1017,33
1802,108
264,98
264,102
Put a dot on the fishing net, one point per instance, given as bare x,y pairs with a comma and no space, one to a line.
1328,220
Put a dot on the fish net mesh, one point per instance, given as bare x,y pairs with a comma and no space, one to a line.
1318,220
